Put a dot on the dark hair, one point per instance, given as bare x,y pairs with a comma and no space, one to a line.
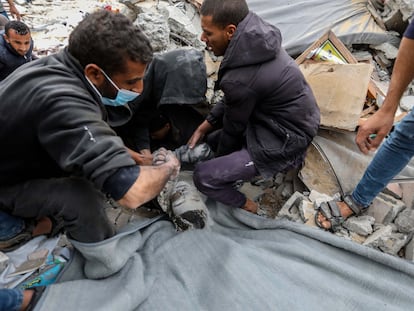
225,12
108,40
18,26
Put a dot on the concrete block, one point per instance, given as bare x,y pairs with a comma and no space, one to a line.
385,208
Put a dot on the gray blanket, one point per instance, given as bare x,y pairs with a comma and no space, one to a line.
242,262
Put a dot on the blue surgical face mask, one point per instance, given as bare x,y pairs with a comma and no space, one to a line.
122,97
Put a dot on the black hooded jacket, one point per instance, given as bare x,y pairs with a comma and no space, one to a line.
268,106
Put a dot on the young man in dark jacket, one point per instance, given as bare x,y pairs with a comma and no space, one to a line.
268,116
16,47
60,156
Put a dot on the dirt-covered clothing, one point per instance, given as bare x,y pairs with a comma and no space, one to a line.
268,106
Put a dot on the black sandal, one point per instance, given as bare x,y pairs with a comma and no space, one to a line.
332,213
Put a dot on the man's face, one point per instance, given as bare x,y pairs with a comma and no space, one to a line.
131,80
21,43
216,38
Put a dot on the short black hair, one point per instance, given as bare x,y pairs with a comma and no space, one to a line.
18,26
108,40
225,12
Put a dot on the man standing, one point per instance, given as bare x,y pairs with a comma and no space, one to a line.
268,116
60,157
16,47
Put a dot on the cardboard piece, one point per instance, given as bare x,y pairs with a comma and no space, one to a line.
340,91
329,49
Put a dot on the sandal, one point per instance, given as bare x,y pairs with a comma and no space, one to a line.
330,210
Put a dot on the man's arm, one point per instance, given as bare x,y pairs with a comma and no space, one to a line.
150,182
144,157
13,10
381,122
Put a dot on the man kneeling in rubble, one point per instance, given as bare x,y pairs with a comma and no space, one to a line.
268,116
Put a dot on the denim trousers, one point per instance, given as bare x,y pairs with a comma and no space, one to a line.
11,299
392,156
10,226
216,177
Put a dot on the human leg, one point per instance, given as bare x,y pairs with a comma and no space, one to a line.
11,299
73,202
393,155
215,178
4,13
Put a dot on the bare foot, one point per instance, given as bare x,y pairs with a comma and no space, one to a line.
344,210
250,206
43,226
27,297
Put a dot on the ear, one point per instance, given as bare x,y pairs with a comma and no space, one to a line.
94,74
230,30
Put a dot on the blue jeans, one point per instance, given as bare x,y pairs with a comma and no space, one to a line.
4,13
393,155
11,299
216,177
10,226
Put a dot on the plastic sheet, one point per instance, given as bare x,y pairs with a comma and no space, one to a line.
302,22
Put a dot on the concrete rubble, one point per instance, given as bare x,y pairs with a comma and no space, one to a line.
388,225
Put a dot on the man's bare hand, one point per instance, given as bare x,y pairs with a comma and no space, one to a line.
372,131
166,157
141,158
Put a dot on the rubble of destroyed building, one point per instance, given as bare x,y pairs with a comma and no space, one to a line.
388,225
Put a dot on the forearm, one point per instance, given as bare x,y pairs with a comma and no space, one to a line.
402,75
148,185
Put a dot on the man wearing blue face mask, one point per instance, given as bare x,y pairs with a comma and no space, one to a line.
60,157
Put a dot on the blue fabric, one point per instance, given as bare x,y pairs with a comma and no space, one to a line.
409,32
393,155
4,13
10,226
11,299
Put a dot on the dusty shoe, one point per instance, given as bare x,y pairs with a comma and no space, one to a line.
188,208
14,232
160,157
200,152
164,197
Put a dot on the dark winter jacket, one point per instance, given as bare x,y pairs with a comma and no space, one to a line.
10,59
174,82
268,106
53,124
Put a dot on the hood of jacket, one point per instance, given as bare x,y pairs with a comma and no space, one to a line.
254,42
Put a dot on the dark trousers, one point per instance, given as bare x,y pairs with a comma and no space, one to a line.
215,178
75,202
